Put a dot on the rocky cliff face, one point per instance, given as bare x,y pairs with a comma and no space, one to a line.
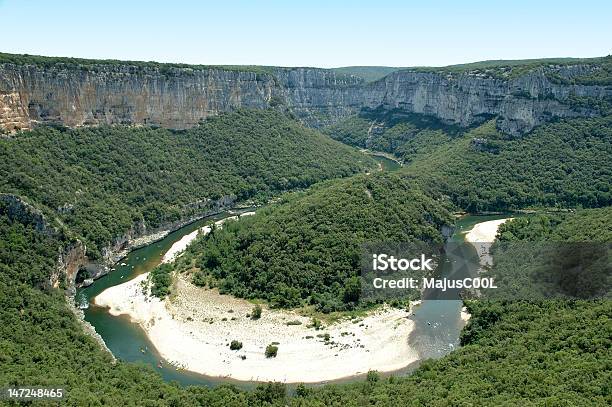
178,98
21,211
466,99
70,258
181,97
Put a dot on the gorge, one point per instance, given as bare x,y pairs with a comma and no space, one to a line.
106,159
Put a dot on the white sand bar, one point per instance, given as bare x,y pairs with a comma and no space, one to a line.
179,246
182,331
482,237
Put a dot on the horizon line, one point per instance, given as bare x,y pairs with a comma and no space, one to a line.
544,59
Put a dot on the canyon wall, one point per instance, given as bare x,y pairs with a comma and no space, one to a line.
520,104
179,97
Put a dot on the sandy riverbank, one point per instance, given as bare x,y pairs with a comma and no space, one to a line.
179,247
194,328
482,237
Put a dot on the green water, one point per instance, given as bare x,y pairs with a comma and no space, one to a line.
125,339
437,322
436,333
386,163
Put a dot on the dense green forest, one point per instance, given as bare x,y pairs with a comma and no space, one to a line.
509,349
100,181
308,245
405,135
511,69
561,255
42,343
94,64
587,225
561,164
306,249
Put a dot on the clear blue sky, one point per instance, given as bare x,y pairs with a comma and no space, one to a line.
308,33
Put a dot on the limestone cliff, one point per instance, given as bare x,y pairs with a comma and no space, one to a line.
520,103
179,97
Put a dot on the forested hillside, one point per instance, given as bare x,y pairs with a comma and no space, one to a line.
562,164
509,350
307,248
42,343
100,181
510,69
588,225
562,255
405,135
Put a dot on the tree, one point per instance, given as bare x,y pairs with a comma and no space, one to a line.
352,289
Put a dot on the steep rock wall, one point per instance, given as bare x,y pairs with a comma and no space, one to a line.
122,94
181,97
466,99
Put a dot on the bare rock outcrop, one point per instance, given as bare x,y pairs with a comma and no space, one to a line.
180,97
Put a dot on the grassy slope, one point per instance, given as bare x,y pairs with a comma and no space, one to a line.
99,181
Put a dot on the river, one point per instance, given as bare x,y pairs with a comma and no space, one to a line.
438,322
386,164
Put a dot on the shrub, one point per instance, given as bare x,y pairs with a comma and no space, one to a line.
236,345
256,314
271,351
316,323
161,280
